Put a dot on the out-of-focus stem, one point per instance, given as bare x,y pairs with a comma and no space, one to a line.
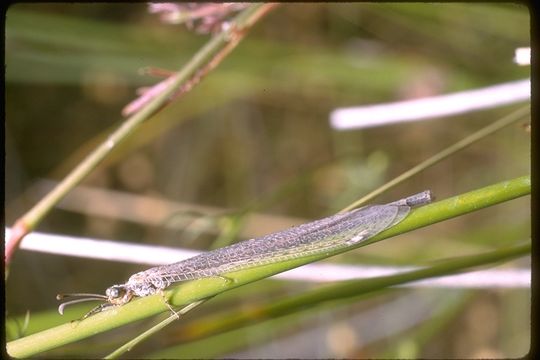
217,48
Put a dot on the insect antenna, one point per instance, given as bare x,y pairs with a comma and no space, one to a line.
87,297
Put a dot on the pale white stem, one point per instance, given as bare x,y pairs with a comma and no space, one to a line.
323,272
430,107
523,56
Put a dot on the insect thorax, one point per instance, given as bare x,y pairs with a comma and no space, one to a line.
143,285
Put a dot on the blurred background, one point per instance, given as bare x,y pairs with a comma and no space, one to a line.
250,151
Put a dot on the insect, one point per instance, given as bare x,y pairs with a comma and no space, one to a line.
317,237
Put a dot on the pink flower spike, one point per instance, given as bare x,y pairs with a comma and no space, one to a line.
203,17
169,12
147,95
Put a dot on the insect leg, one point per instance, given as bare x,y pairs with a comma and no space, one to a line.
175,313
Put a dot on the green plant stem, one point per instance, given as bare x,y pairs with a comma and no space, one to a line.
192,291
209,55
350,289
460,145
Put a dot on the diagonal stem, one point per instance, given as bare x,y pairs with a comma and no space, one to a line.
192,291
460,145
206,58
154,329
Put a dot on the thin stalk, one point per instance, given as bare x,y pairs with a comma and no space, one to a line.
460,145
154,329
206,59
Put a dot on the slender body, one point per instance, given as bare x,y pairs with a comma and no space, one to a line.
317,237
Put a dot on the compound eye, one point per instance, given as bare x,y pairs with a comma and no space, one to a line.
114,292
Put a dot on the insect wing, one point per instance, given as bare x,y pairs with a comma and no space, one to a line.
372,220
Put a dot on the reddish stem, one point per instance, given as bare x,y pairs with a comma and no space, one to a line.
236,35
19,230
